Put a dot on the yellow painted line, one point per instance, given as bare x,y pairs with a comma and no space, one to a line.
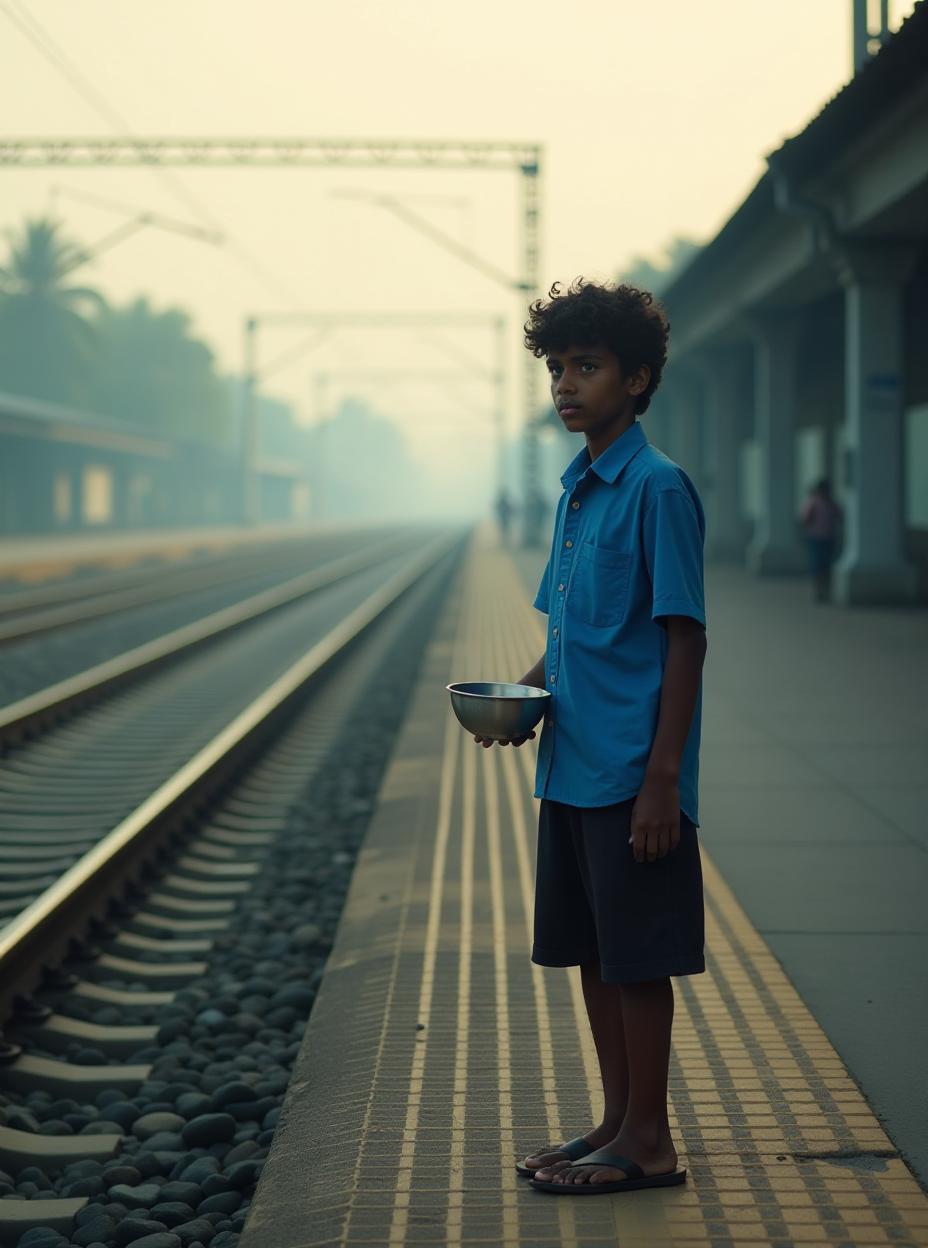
453,1226
499,595
526,637
779,1088
170,550
509,1178
519,832
755,1080
47,569
514,656
449,758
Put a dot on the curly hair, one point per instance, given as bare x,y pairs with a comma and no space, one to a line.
627,321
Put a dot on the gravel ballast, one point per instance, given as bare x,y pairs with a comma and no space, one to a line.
196,1133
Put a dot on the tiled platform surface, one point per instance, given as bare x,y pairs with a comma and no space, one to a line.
814,804
436,1053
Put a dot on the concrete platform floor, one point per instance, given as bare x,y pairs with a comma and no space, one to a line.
34,558
814,807
436,1054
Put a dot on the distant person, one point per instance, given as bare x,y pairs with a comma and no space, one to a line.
618,888
821,517
505,510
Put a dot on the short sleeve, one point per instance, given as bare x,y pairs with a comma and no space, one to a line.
542,598
673,531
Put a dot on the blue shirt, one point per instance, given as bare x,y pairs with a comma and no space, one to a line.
627,551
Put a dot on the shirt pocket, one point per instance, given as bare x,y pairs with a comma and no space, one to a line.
598,591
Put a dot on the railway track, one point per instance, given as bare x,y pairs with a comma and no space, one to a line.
27,612
59,629
166,911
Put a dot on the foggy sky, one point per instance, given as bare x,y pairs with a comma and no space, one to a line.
655,118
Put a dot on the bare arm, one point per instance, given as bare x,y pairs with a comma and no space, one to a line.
656,815
534,676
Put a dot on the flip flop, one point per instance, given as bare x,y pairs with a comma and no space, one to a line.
636,1179
573,1148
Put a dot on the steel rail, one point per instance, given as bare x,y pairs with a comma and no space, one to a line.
15,604
42,932
198,551
161,585
20,718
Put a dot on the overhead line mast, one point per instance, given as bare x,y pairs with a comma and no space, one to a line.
243,150
209,152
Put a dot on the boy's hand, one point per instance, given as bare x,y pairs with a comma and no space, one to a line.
655,820
486,742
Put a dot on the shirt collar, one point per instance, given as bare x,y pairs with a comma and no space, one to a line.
613,460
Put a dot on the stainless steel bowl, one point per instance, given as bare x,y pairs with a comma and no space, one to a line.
490,708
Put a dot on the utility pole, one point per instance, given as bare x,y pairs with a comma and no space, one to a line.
526,285
250,426
868,42
500,410
324,323
532,502
317,502
251,433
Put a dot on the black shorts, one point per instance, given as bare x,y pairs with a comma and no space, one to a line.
594,902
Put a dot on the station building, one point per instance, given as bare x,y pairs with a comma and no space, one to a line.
63,470
799,341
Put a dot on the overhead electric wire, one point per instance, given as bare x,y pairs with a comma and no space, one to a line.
38,36
117,205
314,339
32,28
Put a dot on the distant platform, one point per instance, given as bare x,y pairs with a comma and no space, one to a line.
437,1054
33,559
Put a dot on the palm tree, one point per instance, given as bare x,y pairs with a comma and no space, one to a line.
47,346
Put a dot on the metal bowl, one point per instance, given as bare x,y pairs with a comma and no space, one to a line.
489,708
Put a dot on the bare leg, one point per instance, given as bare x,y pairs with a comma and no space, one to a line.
644,1136
604,1010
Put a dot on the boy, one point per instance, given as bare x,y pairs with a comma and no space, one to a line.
619,885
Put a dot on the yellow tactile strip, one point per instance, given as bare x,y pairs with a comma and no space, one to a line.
437,1052
166,547
40,570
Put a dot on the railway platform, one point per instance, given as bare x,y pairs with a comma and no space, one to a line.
437,1054
34,559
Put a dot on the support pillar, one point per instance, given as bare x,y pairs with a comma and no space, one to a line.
685,424
775,549
873,567
689,434
726,530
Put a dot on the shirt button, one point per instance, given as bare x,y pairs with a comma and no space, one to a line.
552,680
554,633
568,544
560,588
575,505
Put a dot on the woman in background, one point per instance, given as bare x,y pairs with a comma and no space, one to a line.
822,517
